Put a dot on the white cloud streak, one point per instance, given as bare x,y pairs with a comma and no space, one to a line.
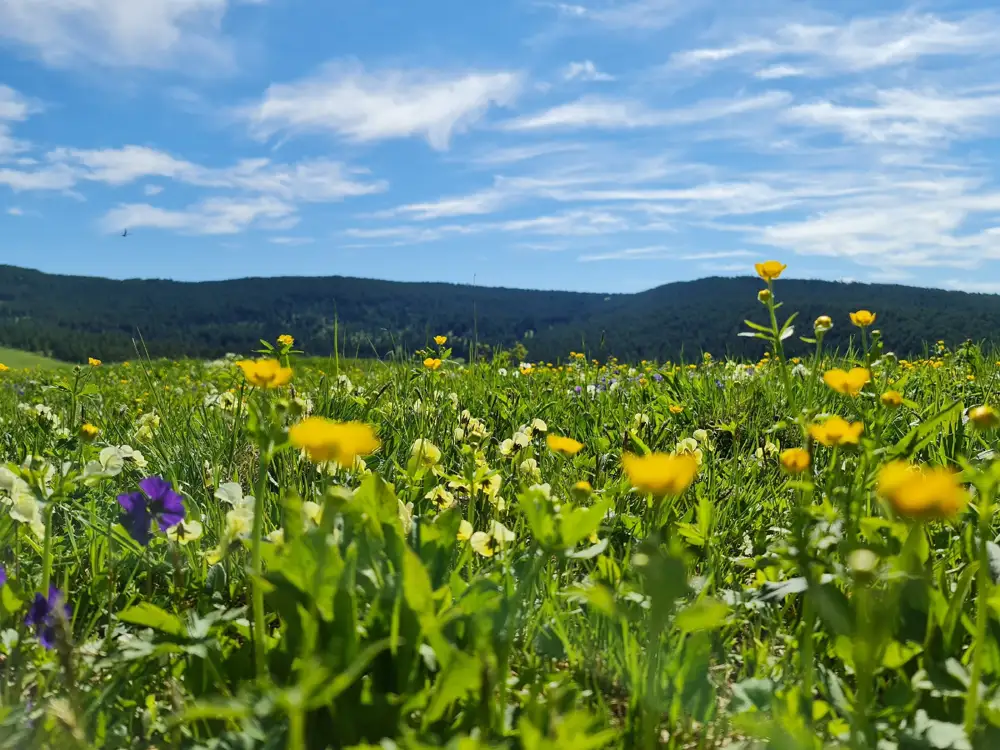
345,100
120,33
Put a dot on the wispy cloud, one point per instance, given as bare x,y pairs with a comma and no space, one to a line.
345,100
120,33
611,114
585,71
214,216
860,44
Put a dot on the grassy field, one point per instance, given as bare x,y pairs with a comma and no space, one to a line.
15,359
291,553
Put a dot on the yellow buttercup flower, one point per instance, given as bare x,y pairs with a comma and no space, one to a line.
440,340
892,399
265,373
286,340
770,270
93,362
563,445
661,473
764,296
849,382
3,367
676,409
583,487
432,364
795,460
88,432
863,318
984,417
921,492
837,431
325,440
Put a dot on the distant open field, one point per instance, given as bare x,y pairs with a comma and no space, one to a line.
16,359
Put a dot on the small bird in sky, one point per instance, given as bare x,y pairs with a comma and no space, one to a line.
125,233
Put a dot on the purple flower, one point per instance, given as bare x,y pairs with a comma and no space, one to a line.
578,389
157,501
44,615
3,576
657,377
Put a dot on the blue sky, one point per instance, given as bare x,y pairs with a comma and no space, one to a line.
605,145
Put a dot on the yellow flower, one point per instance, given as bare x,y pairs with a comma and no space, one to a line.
185,531
425,452
823,323
465,531
892,399
432,364
770,270
984,417
325,440
487,544
563,445
676,409
660,473
795,460
3,367
583,487
921,492
88,432
440,340
441,498
862,318
286,340
265,373
850,383
93,362
837,431
764,296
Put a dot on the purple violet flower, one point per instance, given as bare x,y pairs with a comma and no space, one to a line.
3,576
44,614
157,501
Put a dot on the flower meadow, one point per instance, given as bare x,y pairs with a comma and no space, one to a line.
290,552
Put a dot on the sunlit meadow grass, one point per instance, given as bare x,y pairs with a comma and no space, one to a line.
783,553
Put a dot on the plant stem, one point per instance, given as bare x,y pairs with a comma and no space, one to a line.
259,635
982,613
47,550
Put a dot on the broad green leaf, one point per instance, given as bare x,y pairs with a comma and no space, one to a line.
704,614
148,615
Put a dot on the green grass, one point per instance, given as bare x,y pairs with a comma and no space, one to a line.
464,586
16,359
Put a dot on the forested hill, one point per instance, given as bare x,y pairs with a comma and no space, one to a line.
71,318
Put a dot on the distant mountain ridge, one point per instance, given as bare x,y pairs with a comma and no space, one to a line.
73,317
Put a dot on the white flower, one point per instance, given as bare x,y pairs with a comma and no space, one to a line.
529,468
502,372
640,420
232,493
418,407
453,397
440,497
522,439
313,511
185,531
690,447
506,447
276,537
239,523
539,425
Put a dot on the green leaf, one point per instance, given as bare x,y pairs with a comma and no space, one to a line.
897,654
957,600
704,614
460,677
927,431
752,694
833,608
148,615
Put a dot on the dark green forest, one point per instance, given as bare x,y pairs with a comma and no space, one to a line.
72,317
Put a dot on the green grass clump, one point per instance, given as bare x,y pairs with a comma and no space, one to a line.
16,359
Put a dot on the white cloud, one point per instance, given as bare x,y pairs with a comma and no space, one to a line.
648,15
15,211
15,106
774,72
213,216
862,43
611,114
979,287
152,190
57,177
120,33
291,241
903,116
585,71
661,252
484,202
346,100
